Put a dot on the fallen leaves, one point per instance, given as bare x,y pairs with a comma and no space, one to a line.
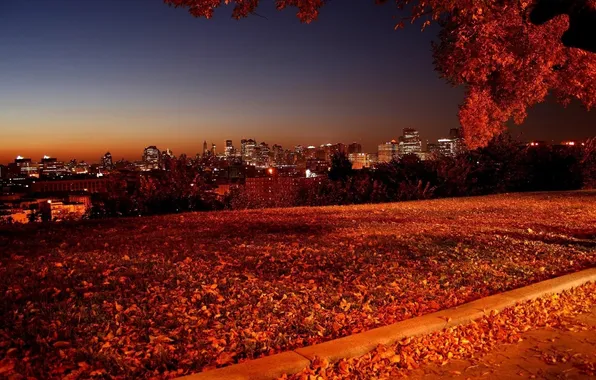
6,365
226,287
61,344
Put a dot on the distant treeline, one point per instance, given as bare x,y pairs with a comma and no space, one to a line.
504,165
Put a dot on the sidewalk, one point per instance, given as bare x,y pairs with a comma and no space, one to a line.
551,337
547,353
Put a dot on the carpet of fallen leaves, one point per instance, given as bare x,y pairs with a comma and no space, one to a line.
469,341
170,295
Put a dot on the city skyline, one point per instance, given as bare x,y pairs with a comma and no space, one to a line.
224,151
83,78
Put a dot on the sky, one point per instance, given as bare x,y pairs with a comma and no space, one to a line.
79,78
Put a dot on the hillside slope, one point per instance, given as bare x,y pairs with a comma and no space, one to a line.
176,294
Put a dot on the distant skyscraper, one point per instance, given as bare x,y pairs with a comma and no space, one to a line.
51,167
410,142
277,151
167,153
354,148
243,147
263,154
249,148
23,167
454,133
451,146
446,147
106,161
388,151
229,152
333,149
213,150
310,152
205,148
151,157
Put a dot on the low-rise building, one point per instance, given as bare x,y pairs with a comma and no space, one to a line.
60,211
358,160
89,185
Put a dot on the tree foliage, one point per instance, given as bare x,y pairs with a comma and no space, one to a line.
508,54
507,65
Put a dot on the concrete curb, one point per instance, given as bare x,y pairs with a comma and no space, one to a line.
269,367
272,367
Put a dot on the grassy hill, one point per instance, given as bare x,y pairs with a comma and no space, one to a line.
169,295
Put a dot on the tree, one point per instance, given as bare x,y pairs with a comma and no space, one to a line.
180,187
507,65
508,54
341,167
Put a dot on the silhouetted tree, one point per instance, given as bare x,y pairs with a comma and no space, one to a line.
341,167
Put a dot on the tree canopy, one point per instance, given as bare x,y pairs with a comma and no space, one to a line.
508,54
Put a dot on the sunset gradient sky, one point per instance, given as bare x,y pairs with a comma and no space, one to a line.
78,78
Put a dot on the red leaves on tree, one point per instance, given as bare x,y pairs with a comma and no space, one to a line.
308,10
507,65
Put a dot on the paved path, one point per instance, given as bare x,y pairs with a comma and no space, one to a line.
543,354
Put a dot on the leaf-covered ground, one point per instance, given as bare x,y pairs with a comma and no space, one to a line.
165,296
473,344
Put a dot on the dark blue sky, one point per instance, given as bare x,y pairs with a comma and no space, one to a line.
81,77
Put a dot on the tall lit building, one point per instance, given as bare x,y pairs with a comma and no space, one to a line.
213,150
263,156
229,152
333,149
451,146
278,153
410,142
455,135
388,151
243,147
249,151
51,167
204,147
151,157
310,152
107,162
25,167
447,147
